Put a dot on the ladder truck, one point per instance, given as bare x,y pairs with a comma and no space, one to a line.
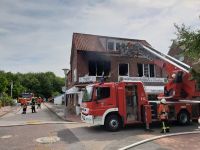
117,104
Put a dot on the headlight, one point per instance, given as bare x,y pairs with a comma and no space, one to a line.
85,110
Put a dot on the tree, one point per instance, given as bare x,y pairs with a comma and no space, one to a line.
189,41
3,82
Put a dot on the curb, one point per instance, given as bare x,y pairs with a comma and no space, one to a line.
54,112
62,118
156,138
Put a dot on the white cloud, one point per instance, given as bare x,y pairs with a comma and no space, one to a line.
36,35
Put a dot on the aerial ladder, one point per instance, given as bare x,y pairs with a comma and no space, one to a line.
180,85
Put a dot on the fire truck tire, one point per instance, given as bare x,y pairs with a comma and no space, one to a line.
183,118
112,123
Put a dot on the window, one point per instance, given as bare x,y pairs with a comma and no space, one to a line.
117,46
146,70
110,45
140,70
99,68
87,96
152,74
123,70
103,92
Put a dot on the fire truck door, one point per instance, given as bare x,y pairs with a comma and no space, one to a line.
131,103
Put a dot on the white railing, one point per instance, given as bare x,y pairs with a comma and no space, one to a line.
142,79
86,79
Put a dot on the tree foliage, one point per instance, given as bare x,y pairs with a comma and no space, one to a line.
189,40
41,84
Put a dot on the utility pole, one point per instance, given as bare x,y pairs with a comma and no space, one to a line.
11,88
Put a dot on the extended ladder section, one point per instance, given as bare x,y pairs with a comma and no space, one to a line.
167,58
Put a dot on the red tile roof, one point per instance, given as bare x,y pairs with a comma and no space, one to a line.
88,42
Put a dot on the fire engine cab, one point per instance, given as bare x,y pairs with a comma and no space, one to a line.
115,105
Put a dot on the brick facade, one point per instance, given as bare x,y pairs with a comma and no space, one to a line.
109,50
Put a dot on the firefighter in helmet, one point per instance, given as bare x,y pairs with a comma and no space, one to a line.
163,111
33,105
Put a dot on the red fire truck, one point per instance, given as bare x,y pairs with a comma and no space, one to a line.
115,105
25,98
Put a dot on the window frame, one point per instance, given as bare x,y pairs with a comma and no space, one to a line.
149,72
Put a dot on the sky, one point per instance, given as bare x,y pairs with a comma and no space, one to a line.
36,35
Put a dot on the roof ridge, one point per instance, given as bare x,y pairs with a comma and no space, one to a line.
103,36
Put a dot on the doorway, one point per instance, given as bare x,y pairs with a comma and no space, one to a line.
131,103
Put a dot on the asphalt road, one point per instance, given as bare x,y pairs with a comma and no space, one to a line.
80,136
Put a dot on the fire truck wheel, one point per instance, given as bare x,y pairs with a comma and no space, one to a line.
112,123
183,117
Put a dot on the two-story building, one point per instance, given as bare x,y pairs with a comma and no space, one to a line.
115,59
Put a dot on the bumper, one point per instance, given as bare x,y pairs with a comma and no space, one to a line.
92,120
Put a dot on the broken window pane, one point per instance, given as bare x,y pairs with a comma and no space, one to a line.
107,68
99,68
140,70
92,68
152,74
123,69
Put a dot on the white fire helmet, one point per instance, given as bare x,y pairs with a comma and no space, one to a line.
173,75
163,101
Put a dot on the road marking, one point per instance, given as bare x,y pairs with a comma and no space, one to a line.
2,124
33,122
6,136
48,140
157,137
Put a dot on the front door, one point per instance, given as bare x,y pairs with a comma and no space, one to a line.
131,103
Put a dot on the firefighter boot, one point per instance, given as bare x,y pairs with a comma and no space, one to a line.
167,129
163,127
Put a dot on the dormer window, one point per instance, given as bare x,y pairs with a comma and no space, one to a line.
111,46
117,46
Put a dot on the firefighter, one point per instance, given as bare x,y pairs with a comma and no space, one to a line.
24,107
33,105
163,111
39,101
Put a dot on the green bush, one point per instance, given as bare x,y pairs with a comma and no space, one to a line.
6,101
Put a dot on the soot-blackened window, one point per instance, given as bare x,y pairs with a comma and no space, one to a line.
123,69
99,68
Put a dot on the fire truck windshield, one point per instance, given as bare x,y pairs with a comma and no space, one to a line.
87,96
26,95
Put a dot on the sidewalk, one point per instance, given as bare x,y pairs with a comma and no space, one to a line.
7,109
59,110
